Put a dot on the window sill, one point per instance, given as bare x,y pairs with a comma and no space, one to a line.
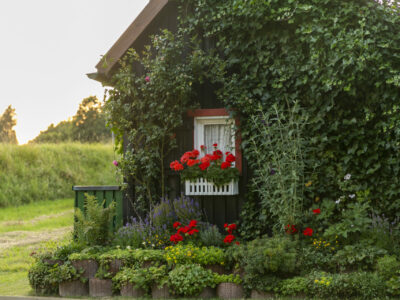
202,187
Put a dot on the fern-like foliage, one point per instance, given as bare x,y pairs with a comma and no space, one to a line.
92,227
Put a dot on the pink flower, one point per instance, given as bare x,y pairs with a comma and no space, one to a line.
147,79
115,163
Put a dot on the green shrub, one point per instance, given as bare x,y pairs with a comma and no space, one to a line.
211,236
190,280
92,226
140,278
293,286
358,284
189,254
228,278
40,280
387,266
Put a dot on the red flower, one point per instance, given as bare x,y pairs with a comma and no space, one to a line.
225,165
204,165
215,145
237,243
225,225
308,231
202,147
290,229
185,157
193,223
176,166
176,238
195,153
193,231
316,211
177,224
205,159
184,229
192,162
229,239
230,158
232,226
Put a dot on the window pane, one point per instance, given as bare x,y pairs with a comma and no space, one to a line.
220,134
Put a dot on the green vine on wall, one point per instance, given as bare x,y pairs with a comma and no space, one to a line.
151,92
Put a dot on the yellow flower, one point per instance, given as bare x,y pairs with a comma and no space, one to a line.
308,184
328,283
316,280
317,199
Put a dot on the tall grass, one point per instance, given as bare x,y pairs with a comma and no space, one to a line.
30,173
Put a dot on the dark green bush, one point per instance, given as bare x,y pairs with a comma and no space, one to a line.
40,280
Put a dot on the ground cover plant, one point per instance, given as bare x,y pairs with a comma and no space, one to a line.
48,171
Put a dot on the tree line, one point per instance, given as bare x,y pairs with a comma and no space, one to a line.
88,125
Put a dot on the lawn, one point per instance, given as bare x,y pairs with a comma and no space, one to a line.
26,229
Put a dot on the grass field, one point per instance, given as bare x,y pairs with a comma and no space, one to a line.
47,171
26,229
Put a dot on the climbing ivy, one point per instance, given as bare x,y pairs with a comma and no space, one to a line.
151,92
340,60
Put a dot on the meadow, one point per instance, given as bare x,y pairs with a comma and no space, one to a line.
26,230
37,172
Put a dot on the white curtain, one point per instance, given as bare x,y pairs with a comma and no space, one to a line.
218,134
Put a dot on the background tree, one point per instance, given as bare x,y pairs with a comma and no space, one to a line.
88,125
7,123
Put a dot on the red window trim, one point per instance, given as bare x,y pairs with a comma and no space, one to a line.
214,112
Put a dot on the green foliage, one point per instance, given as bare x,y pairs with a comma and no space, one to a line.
190,280
148,255
158,275
40,281
276,255
140,278
7,123
227,278
49,171
65,272
211,236
189,254
277,153
343,286
294,286
387,266
88,125
146,108
87,253
92,225
63,252
338,60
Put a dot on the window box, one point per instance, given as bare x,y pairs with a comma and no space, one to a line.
201,187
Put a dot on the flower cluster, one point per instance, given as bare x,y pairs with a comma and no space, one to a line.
229,238
182,231
324,281
290,229
191,159
322,244
180,254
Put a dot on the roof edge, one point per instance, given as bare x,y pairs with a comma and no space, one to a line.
130,35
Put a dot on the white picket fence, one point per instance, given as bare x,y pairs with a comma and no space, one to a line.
202,187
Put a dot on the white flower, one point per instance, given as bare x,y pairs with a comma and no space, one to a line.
338,201
352,225
128,247
144,243
153,245
352,196
347,177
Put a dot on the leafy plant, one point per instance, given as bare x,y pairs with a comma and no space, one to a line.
190,280
40,280
65,272
140,278
294,286
387,266
277,149
227,278
189,254
92,225
158,275
211,236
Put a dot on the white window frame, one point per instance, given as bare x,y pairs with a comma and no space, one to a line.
199,123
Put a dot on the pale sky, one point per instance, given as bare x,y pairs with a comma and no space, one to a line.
46,49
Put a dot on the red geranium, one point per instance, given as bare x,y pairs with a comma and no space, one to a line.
176,166
225,165
215,145
193,223
175,238
177,224
204,165
308,231
290,229
316,211
193,231
230,158
195,153
229,239
192,162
